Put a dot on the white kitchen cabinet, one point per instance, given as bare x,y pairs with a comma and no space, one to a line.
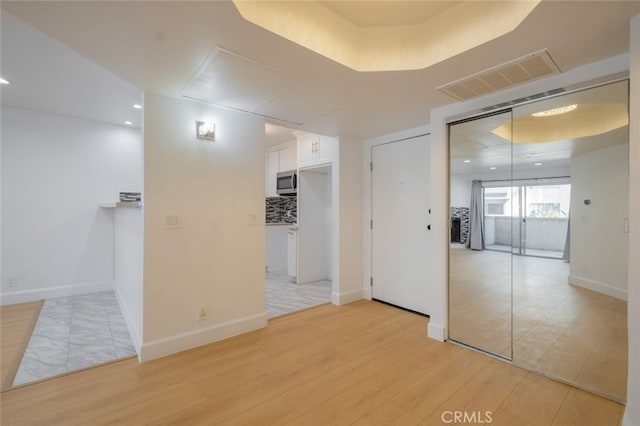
288,158
315,150
292,254
325,149
280,158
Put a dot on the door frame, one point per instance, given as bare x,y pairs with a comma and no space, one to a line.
368,145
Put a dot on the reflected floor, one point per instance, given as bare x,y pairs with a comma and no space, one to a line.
73,333
283,297
560,330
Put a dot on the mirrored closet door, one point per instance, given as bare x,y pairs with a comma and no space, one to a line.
546,287
480,284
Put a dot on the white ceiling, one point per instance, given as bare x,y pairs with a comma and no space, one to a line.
161,46
47,76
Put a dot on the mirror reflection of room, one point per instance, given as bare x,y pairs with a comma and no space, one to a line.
539,223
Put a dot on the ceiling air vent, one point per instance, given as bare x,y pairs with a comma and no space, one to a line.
513,73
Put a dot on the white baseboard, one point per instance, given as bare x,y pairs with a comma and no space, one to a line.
53,292
130,321
346,297
436,331
599,287
366,293
192,339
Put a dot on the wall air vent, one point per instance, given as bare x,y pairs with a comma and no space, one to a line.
504,76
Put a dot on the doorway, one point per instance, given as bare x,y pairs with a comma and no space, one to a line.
400,221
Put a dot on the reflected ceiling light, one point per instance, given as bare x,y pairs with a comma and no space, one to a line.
373,36
587,120
128,123
467,161
537,164
555,111
137,106
492,168
3,81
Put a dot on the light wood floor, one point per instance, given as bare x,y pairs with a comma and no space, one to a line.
17,325
364,363
560,330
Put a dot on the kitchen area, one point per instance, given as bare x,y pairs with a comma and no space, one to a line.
299,220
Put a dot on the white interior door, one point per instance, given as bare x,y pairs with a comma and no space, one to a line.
400,214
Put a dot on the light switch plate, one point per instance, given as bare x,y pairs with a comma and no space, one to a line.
252,219
172,221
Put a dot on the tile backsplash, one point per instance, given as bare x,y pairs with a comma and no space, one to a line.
463,214
281,210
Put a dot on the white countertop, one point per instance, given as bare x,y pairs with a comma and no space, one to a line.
122,205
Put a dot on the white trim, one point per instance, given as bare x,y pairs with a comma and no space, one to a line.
192,339
129,320
436,331
53,292
366,293
598,286
346,297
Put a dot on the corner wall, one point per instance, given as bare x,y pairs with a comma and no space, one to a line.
216,259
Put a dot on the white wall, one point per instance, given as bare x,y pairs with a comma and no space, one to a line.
56,170
460,187
216,258
315,242
128,268
632,411
599,244
328,224
348,229
439,167
276,248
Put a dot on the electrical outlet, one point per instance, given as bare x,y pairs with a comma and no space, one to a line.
203,312
12,282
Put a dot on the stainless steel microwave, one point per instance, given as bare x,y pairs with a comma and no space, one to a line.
287,183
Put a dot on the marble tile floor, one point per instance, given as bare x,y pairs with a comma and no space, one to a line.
73,333
283,297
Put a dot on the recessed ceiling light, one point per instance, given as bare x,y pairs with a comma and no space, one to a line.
492,168
555,111
128,123
467,161
537,164
3,81
137,106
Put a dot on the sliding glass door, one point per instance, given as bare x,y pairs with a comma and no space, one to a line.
545,219
527,219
